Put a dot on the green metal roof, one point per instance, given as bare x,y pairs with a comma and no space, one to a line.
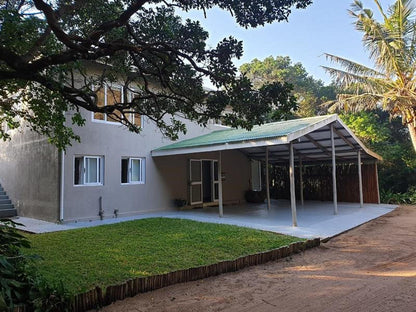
266,131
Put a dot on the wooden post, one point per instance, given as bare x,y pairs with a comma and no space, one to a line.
220,205
334,171
378,189
267,178
360,179
292,184
301,179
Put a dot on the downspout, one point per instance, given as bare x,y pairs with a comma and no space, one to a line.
61,193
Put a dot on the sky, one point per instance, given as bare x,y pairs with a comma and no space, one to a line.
323,27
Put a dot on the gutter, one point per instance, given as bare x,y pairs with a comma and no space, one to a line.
61,193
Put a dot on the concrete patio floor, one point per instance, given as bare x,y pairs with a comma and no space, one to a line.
315,218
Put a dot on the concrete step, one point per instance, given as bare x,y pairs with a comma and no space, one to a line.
6,213
2,193
4,197
6,206
5,201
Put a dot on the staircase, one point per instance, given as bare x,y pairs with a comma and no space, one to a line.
6,207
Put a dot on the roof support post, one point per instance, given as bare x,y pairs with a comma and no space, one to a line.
360,179
220,203
301,180
267,178
334,172
292,184
378,189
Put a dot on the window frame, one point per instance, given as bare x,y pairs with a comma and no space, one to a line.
130,115
142,173
131,118
83,174
106,121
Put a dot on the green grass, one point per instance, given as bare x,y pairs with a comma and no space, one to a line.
110,254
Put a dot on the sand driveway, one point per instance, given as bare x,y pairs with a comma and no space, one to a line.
370,268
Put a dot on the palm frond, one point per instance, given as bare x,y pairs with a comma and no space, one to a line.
353,67
385,42
355,102
347,79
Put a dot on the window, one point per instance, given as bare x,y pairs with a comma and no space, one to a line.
132,170
107,96
256,175
88,170
136,119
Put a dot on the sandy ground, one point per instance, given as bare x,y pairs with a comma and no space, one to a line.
370,268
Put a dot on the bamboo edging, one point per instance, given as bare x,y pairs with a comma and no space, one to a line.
95,298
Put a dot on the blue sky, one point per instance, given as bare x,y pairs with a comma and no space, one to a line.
324,26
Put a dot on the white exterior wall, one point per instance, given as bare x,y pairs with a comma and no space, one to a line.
165,178
29,172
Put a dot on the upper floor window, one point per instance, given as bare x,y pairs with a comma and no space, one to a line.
110,95
88,170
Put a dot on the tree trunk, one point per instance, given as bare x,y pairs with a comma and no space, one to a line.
412,131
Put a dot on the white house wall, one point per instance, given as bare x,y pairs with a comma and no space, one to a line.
29,172
174,174
113,141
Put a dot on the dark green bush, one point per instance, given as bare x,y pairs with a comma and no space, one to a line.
20,284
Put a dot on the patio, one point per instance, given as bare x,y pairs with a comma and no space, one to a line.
315,218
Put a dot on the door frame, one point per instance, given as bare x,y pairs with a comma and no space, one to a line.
200,183
194,183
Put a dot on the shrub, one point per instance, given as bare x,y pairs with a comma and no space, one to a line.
20,284
390,197
14,267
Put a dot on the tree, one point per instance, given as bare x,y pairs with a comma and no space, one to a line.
310,93
396,171
47,50
391,85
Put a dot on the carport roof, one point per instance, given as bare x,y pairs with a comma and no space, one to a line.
313,132
266,131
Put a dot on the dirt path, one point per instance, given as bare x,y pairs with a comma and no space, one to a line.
371,268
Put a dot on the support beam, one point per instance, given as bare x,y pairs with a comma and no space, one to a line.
360,179
322,148
334,172
292,184
378,189
220,205
344,138
267,178
301,179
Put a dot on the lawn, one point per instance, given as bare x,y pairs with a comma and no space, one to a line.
110,254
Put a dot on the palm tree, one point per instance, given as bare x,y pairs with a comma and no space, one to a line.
391,84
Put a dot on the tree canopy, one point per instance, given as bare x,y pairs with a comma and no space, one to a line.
310,92
47,50
391,84
390,140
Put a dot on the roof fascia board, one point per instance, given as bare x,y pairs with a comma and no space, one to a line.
301,132
333,118
220,147
369,152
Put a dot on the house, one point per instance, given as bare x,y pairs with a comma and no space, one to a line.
114,172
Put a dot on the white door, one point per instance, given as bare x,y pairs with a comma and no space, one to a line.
195,181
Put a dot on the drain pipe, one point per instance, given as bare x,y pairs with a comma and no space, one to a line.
100,209
61,194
